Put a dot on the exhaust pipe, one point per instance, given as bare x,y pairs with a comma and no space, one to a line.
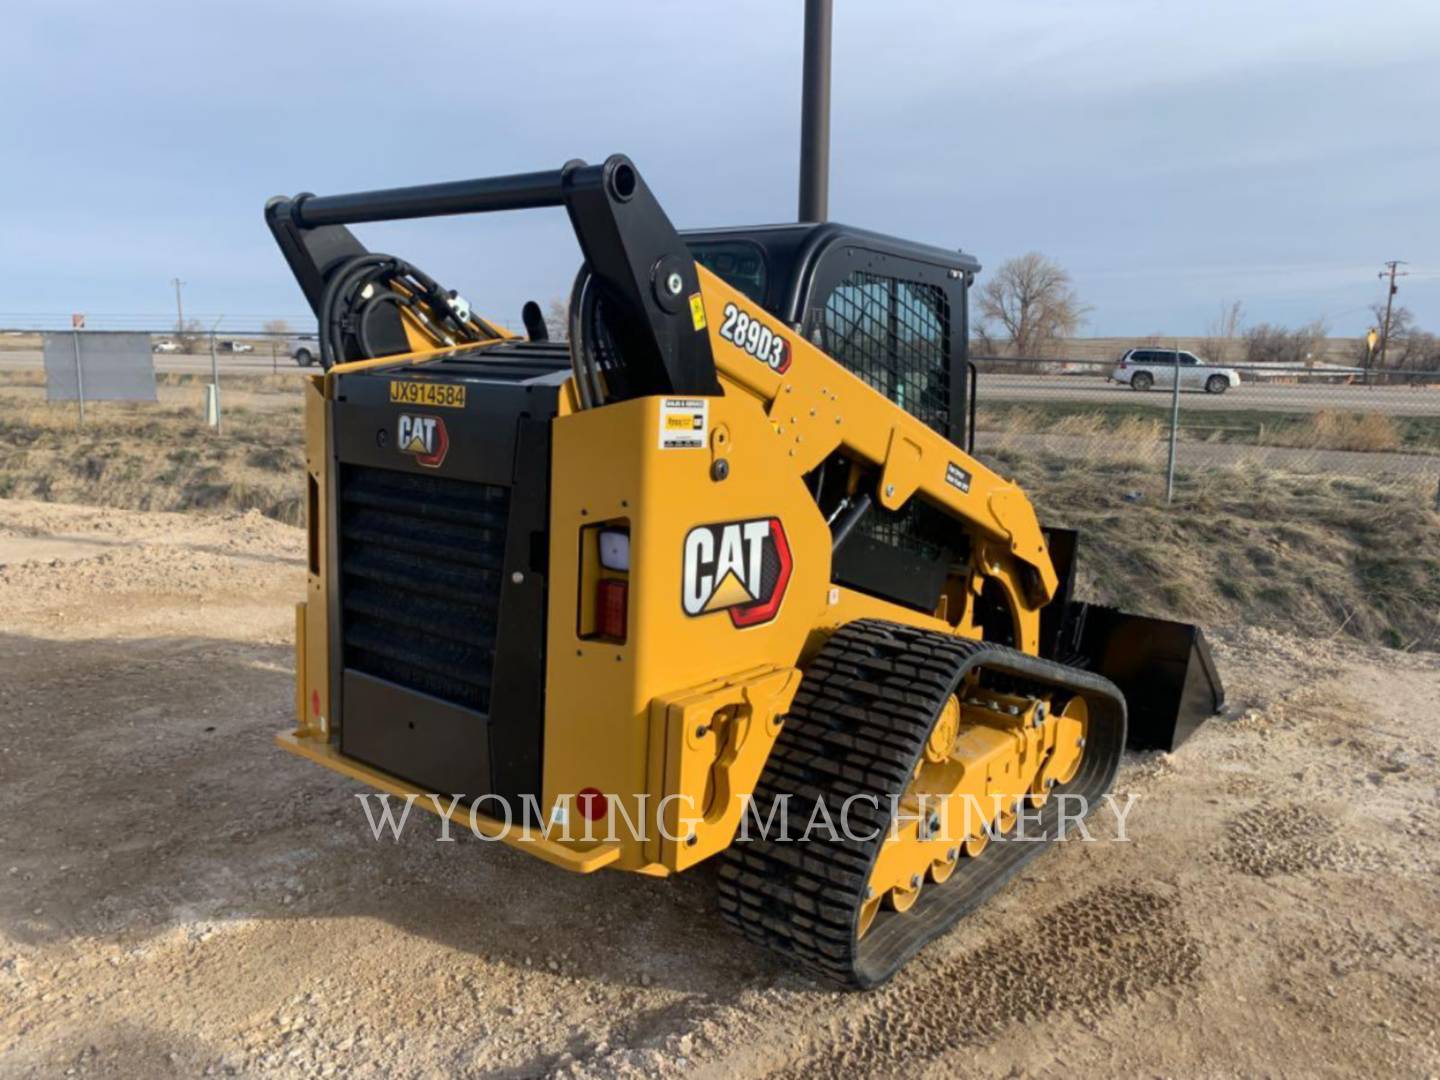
815,113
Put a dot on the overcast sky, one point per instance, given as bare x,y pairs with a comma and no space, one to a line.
1171,155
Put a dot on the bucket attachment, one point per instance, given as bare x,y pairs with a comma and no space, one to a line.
1163,668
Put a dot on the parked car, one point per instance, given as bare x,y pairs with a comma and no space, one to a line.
166,346
236,347
1142,369
304,351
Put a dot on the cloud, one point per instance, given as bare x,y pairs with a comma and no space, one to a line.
1170,155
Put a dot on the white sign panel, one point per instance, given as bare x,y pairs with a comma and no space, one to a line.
99,366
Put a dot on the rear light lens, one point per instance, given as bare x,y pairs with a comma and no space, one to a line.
612,597
615,550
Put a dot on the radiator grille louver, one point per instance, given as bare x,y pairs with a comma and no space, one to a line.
420,569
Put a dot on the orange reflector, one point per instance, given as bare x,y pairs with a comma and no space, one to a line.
611,600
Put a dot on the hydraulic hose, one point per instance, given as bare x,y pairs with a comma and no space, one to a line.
583,364
340,314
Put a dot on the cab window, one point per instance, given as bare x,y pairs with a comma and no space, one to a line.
737,263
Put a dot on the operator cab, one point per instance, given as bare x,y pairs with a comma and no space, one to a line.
891,311
894,313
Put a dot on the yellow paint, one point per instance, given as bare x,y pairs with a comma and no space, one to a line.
624,716
595,856
313,644
410,358
980,763
714,741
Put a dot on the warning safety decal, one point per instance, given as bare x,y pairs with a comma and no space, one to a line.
684,423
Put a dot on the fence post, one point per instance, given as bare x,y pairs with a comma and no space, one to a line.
79,375
215,380
1174,424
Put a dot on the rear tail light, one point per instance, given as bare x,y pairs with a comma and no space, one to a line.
1122,365
615,549
612,597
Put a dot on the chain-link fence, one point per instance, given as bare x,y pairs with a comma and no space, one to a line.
240,351
1305,419
1319,418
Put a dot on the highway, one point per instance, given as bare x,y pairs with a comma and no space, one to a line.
1269,397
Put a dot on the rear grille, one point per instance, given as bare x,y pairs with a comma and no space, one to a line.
420,566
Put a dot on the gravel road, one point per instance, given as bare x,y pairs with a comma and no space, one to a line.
178,897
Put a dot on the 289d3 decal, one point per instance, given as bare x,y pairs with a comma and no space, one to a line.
744,331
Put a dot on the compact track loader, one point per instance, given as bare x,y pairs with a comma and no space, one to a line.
706,578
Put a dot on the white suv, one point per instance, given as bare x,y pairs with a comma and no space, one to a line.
1144,368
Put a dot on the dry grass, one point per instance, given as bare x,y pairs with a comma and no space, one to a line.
1093,424
1317,553
1130,428
1314,554
22,377
247,383
1108,438
1332,430
161,456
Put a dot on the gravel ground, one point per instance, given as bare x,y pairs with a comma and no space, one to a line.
179,897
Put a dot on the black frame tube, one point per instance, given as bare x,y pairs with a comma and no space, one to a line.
643,267
520,191
815,113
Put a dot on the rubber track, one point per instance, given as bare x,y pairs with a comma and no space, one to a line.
857,727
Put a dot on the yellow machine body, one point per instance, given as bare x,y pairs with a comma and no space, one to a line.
616,594
674,722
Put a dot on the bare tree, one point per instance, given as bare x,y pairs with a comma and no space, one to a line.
277,328
192,337
1409,346
1402,329
1267,344
1031,301
1224,329
557,318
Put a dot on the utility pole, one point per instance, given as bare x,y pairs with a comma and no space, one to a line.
179,307
212,394
1392,271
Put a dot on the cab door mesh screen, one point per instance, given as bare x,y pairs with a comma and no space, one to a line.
894,334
